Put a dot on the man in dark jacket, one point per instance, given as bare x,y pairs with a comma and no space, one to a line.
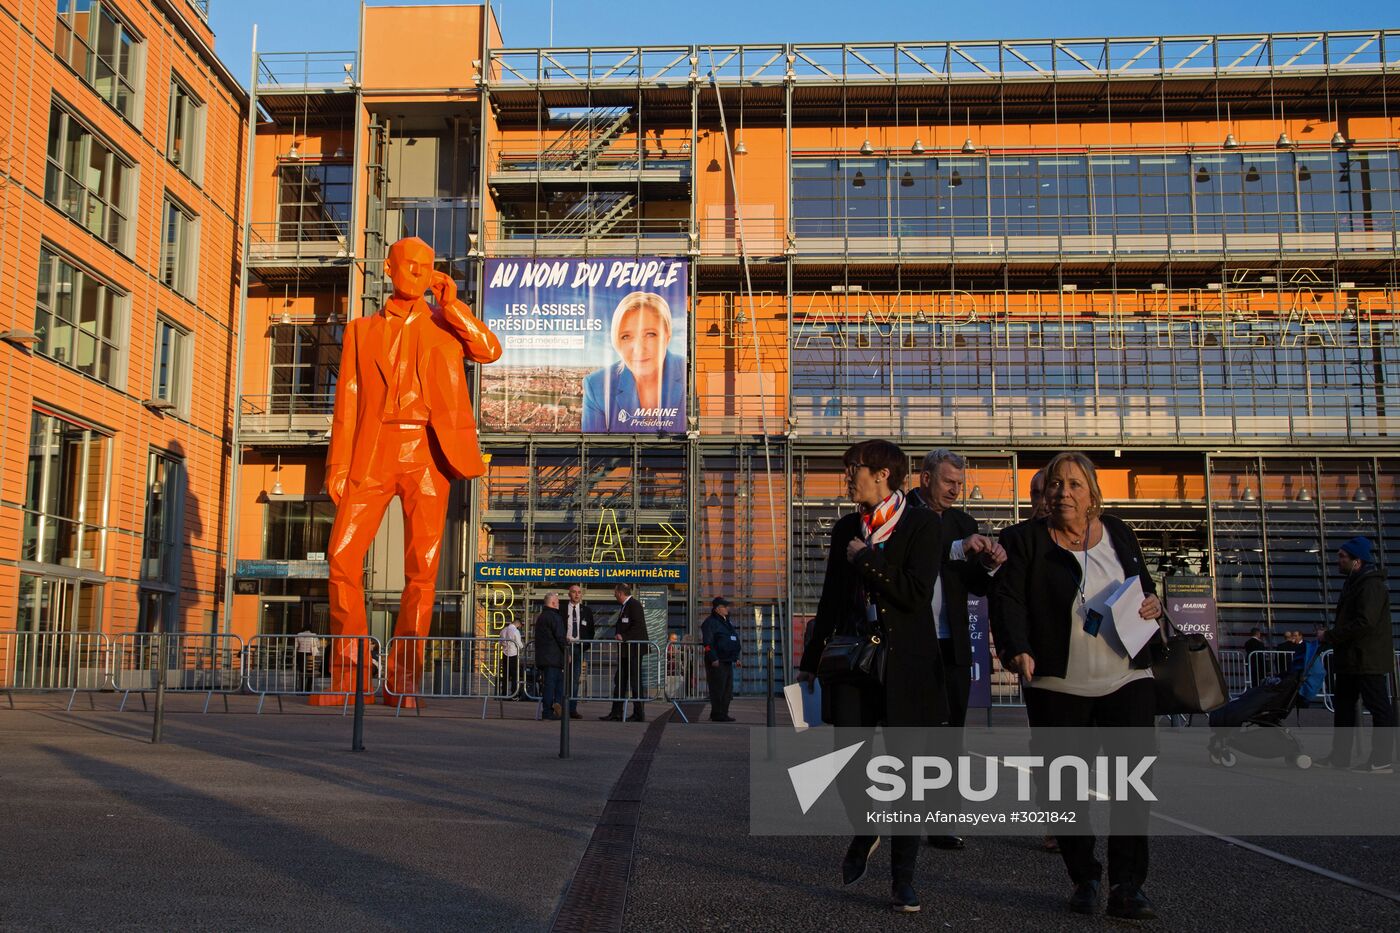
722,647
1362,658
968,562
632,633
578,616
550,645
1254,643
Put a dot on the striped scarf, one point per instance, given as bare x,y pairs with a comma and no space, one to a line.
880,522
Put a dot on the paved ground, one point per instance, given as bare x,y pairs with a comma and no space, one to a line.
244,822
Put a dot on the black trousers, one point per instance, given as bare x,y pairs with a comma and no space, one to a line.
631,656
1133,704
720,674
579,655
957,680
863,708
1370,690
306,670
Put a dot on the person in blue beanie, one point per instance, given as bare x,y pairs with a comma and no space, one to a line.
1362,658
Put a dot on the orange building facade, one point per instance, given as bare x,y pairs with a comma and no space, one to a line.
1179,255
121,214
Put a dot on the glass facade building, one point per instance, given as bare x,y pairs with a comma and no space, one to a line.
1177,254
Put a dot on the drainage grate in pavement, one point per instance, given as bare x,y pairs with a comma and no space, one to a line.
596,898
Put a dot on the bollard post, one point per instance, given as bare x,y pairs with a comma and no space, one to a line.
158,723
564,707
772,714
357,741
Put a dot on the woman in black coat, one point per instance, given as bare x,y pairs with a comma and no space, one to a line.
880,572
1059,570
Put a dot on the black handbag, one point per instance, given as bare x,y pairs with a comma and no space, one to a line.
853,659
1187,674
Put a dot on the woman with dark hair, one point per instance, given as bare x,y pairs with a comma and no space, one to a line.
1052,626
880,572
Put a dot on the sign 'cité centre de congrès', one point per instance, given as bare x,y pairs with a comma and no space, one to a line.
595,574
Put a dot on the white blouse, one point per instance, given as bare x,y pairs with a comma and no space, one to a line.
1098,665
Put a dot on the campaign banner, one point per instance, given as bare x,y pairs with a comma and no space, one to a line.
592,345
979,628
1191,605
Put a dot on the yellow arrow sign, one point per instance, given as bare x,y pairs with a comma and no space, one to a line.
669,542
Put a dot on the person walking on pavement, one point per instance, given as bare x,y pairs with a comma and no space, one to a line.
511,647
722,650
581,631
968,562
551,644
631,632
1046,607
1362,659
881,568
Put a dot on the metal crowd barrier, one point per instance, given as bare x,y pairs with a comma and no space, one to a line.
272,666
686,676
195,662
465,668
1261,665
598,663
42,662
1235,668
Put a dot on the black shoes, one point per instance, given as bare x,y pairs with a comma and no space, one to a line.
858,858
611,717
947,842
1127,902
575,715
635,718
904,898
723,719
1085,899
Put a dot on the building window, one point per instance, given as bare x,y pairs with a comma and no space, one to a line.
305,363
58,604
80,321
65,504
178,249
184,134
89,180
314,201
171,381
96,43
165,495
298,530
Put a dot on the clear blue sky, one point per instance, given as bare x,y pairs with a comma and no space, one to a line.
312,25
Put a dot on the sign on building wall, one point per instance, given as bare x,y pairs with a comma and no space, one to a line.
592,345
1191,605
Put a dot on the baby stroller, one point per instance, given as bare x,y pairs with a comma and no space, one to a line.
1252,723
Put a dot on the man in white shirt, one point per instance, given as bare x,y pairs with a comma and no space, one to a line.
511,646
969,560
578,623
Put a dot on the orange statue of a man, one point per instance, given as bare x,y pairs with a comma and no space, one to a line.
403,426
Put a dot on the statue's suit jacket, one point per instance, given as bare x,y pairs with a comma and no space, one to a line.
434,342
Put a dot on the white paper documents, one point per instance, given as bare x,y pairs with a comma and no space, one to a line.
1123,605
805,707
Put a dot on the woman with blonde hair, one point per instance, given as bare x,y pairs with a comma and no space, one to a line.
1052,626
645,389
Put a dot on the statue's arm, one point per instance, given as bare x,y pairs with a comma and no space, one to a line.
478,342
347,393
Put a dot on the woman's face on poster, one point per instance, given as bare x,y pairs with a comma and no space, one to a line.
642,340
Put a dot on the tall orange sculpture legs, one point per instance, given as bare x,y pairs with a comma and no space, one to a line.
403,426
